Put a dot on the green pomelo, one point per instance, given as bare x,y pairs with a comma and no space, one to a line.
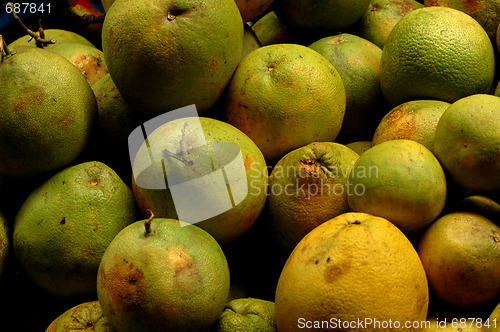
47,112
358,62
436,53
246,314
359,146
185,152
399,180
88,59
65,225
270,30
467,142
250,41
415,120
285,96
163,55
307,187
381,17
87,316
156,275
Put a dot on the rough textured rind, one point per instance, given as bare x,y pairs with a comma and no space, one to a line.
47,113
163,55
173,276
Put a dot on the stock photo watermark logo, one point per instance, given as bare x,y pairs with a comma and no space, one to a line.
202,169
295,181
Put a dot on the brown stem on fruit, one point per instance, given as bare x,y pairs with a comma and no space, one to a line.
39,41
147,224
4,50
40,29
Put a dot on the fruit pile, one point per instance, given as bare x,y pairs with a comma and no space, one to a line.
257,165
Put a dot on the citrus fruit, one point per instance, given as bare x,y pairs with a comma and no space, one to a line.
184,137
59,35
485,12
251,9
399,180
106,4
163,55
497,89
88,59
246,314
250,41
116,118
467,142
359,146
156,274
381,17
357,61
436,53
353,272
460,254
284,96
415,120
4,243
87,316
322,15
47,112
485,206
63,228
307,187
270,30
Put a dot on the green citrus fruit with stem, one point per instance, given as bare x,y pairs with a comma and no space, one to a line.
467,142
284,96
353,268
156,274
436,53
48,111
179,149
307,187
59,35
63,228
399,180
163,55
